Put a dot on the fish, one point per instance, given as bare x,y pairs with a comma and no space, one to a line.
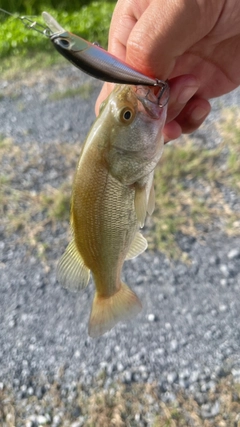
112,193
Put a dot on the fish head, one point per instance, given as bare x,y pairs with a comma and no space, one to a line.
134,119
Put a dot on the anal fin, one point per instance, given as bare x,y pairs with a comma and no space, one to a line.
72,273
138,246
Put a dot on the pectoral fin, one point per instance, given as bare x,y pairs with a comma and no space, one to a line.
140,203
138,246
71,271
151,200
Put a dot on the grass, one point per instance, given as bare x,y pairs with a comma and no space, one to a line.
15,67
230,129
84,91
124,405
56,202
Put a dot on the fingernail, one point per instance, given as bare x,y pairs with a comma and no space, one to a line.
186,94
198,113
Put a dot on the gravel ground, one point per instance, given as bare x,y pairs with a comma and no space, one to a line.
187,336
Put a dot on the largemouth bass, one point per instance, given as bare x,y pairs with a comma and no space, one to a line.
112,192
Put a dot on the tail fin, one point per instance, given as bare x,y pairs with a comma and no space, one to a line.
107,312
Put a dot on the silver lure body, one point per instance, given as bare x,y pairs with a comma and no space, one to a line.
93,59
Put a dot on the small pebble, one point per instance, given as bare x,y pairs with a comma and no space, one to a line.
223,282
137,417
43,419
78,423
172,377
234,253
224,269
151,317
174,345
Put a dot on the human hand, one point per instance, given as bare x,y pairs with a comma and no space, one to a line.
194,44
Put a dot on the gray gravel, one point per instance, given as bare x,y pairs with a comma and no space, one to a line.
188,334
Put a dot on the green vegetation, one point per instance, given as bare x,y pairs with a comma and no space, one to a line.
90,22
31,7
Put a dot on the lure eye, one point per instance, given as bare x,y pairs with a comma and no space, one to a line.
64,43
126,115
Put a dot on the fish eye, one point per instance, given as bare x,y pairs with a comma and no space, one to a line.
126,115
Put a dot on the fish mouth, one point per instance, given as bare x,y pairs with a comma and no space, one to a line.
153,101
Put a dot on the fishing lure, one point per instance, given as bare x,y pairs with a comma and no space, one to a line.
91,58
